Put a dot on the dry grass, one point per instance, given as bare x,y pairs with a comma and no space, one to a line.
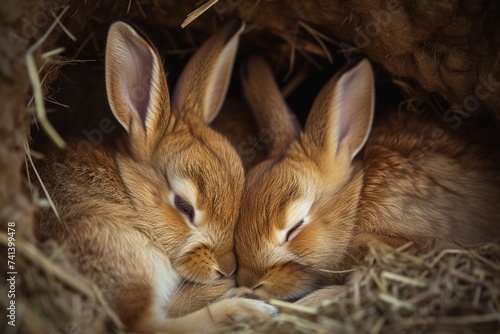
452,291
197,12
33,73
52,297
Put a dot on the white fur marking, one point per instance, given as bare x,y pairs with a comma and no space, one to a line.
296,212
186,189
165,283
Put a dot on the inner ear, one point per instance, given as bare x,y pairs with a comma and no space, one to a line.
341,117
138,79
136,84
354,103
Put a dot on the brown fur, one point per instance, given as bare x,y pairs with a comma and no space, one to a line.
258,136
237,124
116,213
387,196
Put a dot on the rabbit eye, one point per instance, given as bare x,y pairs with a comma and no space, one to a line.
184,207
293,231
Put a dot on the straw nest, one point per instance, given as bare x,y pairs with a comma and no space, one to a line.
427,43
449,291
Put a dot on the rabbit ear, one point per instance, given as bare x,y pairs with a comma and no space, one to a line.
203,84
136,84
268,105
342,114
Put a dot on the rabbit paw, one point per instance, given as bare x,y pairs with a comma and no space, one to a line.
241,310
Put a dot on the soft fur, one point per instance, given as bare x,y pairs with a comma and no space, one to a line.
413,180
116,210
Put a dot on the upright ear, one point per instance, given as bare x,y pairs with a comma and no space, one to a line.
203,84
268,105
136,86
342,114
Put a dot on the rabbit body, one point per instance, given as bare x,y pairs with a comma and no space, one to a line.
151,221
424,179
326,196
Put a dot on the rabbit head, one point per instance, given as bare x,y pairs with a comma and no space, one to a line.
183,178
300,205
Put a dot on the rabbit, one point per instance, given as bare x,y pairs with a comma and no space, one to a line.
236,123
348,183
151,219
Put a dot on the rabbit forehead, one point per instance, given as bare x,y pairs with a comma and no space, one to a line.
278,193
206,169
281,191
209,187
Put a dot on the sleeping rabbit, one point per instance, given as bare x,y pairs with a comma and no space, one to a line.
328,194
151,222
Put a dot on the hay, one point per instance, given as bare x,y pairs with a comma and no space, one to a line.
449,291
197,12
52,296
41,113
319,37
45,191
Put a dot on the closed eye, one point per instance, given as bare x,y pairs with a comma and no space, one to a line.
185,208
294,231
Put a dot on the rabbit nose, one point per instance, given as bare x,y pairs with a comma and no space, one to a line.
223,273
226,264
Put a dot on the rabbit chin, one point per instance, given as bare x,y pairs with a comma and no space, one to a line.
289,281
